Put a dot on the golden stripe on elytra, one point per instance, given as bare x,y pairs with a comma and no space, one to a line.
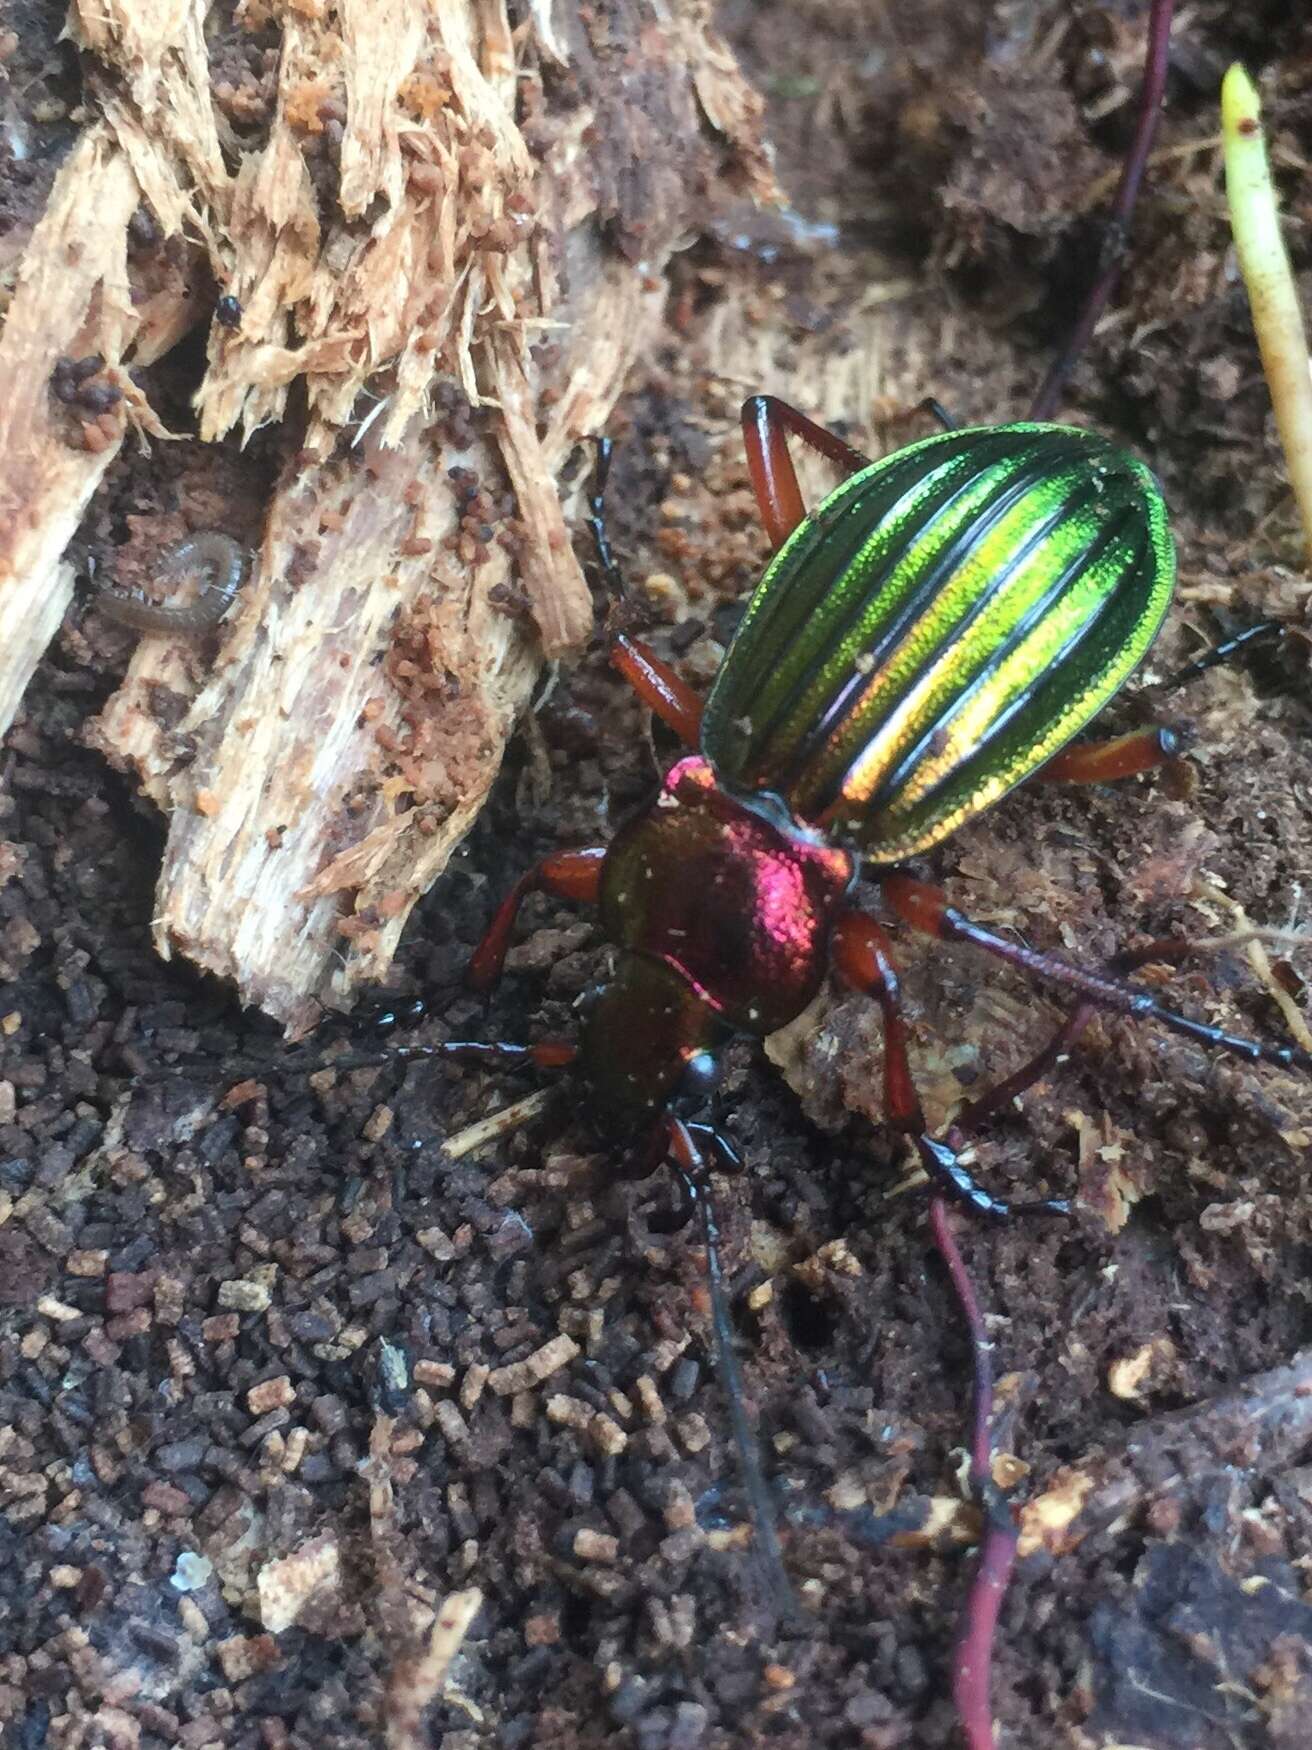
949,604
904,700
938,702
837,600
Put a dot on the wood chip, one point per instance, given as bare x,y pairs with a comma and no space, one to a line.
416,1682
71,301
286,1586
241,1294
596,1546
271,1394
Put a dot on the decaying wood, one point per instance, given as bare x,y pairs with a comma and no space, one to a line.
72,301
461,284
78,296
1259,1429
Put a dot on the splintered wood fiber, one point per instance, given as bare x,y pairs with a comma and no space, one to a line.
447,250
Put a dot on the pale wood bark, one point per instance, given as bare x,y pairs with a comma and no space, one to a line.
482,233
71,301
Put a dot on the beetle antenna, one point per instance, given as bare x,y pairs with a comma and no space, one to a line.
597,519
691,1166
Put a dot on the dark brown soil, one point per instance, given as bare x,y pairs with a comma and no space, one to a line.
204,1273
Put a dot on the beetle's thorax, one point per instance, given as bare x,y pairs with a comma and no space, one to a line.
729,892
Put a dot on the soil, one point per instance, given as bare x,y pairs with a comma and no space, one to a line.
212,1249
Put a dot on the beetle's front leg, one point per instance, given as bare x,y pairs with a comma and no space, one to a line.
564,874
549,1054
862,955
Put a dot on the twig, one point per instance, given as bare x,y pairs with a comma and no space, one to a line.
972,1662
1118,225
1264,264
497,1124
1260,962
416,1682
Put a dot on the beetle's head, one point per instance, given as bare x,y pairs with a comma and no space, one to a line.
649,1046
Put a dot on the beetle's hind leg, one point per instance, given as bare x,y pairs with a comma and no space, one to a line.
926,909
862,955
975,1112
659,687
1121,756
929,405
607,563
767,422
1145,750
655,682
1264,632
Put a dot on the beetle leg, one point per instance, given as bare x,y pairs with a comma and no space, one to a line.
926,909
654,681
727,1157
936,411
1145,750
673,1220
1223,652
1121,756
656,1151
862,954
691,1166
597,518
659,687
767,421
931,405
974,1112
546,1054
566,874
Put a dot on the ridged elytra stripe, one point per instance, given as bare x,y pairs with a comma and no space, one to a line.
851,539
1078,643
871,553
1073,687
915,778
833,536
897,665
992,656
939,627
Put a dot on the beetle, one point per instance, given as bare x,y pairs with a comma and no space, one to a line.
935,632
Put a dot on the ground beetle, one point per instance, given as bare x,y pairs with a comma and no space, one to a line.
927,638
936,631
932,634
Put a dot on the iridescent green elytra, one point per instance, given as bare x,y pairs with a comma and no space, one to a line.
938,628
